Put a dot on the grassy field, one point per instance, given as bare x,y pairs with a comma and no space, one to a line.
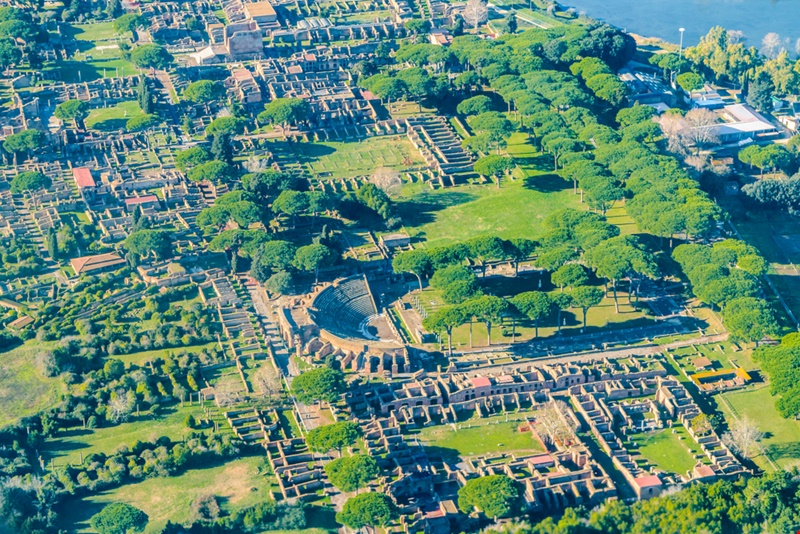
492,435
782,440
666,450
237,484
516,209
98,54
23,389
113,118
332,160
96,31
68,445
141,358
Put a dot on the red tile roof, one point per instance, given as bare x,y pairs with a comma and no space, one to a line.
481,382
83,177
92,263
704,471
648,481
542,459
140,200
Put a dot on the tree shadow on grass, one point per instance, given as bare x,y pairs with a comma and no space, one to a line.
508,286
446,454
320,517
416,212
294,152
74,71
546,183
58,447
110,125
779,451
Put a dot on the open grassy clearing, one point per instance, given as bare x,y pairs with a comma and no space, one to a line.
478,436
68,445
96,31
98,54
334,159
23,389
237,484
668,450
226,378
782,436
516,209
114,117
404,108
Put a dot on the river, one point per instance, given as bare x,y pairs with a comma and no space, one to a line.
663,18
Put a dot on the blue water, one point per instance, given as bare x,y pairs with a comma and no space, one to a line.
663,18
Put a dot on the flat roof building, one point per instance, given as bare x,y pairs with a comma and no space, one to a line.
742,122
261,12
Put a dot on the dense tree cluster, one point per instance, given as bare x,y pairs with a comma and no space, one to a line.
723,56
109,394
574,240
160,458
115,327
495,496
153,56
727,275
267,516
775,194
155,243
19,258
781,363
350,473
335,436
25,142
320,384
768,503
368,509
117,518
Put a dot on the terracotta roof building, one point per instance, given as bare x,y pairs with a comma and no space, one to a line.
146,201
96,263
83,177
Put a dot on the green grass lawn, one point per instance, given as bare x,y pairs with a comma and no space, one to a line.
98,54
237,484
96,31
101,65
141,358
666,450
227,378
68,445
782,440
75,217
114,117
23,389
516,209
486,436
332,160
